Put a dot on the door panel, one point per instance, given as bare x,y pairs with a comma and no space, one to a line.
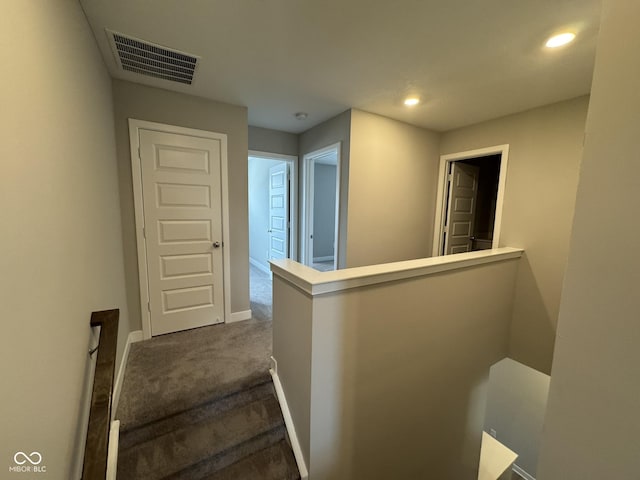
183,218
278,211
463,193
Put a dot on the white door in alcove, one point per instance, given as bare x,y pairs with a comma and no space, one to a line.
278,211
182,203
461,207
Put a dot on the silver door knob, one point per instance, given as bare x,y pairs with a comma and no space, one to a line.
216,244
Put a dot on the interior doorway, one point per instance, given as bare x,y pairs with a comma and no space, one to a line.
470,199
272,208
272,222
321,208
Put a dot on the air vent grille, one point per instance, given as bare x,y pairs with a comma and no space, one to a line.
138,56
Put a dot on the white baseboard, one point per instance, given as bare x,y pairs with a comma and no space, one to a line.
259,265
288,422
135,336
522,473
322,259
239,316
112,450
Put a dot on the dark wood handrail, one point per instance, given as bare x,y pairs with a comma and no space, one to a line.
96,448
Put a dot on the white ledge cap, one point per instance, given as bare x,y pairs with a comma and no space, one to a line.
315,282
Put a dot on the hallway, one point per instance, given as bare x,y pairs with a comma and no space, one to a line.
260,294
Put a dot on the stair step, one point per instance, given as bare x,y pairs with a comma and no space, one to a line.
275,462
186,447
211,465
135,436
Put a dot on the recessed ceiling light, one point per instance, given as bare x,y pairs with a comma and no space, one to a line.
301,116
411,101
560,39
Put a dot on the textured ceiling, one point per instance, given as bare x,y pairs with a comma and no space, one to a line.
470,60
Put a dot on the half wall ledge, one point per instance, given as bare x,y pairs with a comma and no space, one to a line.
314,282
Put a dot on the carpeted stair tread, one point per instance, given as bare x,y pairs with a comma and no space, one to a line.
202,413
209,466
183,448
275,462
177,372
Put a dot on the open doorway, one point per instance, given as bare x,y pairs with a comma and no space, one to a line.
321,207
470,198
272,222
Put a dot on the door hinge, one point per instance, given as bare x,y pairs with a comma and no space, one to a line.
139,153
148,306
450,177
144,232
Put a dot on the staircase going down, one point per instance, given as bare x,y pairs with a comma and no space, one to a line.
235,432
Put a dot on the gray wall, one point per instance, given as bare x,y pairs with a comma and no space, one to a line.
337,129
392,190
273,141
324,210
259,210
592,428
389,380
156,105
516,405
61,240
545,147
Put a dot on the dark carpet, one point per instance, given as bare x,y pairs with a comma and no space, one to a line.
260,287
200,404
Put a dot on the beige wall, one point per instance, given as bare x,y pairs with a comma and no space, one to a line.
592,428
273,141
156,105
545,148
292,350
334,130
392,377
392,188
61,239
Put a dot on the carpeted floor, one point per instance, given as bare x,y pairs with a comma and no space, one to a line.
200,404
176,372
260,293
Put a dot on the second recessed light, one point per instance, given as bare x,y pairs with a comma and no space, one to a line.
560,39
411,101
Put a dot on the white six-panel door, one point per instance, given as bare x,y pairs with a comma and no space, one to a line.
181,190
278,211
463,193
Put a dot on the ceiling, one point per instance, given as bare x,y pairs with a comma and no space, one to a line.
469,60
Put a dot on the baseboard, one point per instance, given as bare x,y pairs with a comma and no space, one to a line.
133,337
260,266
239,316
112,450
522,473
291,431
322,259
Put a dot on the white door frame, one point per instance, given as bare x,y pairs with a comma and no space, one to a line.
441,203
306,245
292,160
136,173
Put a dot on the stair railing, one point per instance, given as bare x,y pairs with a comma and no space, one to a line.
97,445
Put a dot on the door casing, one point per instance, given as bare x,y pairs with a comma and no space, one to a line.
136,171
306,256
441,201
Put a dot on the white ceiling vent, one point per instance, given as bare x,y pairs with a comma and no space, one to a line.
145,58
